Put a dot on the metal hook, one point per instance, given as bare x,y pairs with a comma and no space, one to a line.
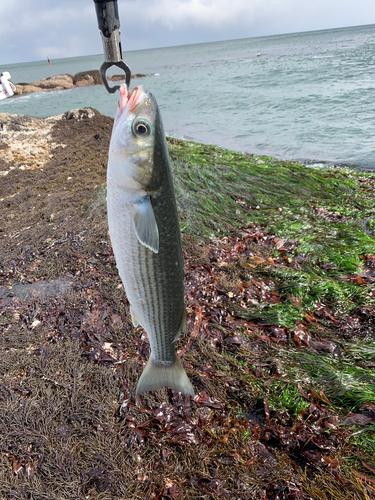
109,25
119,64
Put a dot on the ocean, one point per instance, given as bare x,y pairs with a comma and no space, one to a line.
308,96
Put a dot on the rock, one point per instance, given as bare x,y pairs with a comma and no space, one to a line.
80,114
25,142
58,82
116,78
17,123
87,78
62,82
26,88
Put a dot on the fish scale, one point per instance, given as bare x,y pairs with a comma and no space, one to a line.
152,276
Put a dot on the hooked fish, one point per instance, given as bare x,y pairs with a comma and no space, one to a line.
145,235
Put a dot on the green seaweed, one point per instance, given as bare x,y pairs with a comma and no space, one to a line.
328,212
347,380
316,286
284,395
363,439
284,314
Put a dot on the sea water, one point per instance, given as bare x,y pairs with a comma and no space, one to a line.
304,96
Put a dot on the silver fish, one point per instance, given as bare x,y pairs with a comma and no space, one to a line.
145,235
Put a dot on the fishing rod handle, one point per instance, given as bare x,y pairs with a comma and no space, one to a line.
109,25
107,15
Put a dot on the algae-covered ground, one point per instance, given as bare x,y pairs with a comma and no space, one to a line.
280,273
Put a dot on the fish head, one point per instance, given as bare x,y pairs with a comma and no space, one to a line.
131,151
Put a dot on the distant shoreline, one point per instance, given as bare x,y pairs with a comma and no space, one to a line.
66,81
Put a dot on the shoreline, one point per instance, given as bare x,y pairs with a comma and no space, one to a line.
326,164
303,161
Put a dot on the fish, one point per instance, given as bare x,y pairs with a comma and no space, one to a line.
145,235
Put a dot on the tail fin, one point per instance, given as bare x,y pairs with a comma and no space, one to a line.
153,377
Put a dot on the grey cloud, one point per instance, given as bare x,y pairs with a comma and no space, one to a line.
65,28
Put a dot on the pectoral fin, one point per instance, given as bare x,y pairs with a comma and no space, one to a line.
145,225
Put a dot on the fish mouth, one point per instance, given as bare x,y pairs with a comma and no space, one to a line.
128,100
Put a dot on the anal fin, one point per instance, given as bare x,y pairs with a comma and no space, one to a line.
183,326
134,318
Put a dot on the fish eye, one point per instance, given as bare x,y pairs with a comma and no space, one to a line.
141,128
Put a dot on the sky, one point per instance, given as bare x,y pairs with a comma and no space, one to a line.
32,30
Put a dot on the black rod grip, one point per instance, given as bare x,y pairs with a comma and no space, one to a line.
107,14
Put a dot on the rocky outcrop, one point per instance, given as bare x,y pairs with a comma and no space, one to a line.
80,114
87,78
62,82
117,78
25,142
58,82
26,88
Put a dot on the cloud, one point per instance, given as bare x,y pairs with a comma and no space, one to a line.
65,28
210,13
73,46
35,30
224,14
